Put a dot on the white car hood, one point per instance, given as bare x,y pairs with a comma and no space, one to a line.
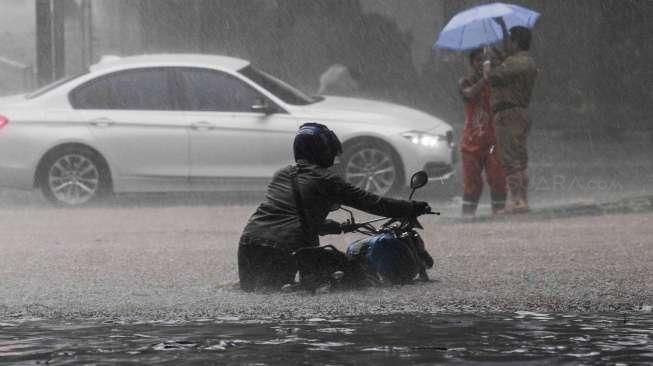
367,111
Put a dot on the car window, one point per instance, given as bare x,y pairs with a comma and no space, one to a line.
141,89
210,90
282,90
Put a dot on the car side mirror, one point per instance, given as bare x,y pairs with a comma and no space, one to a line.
334,207
262,106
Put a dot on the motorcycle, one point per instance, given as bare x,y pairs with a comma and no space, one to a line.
392,253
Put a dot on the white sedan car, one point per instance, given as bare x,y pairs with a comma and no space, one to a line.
179,122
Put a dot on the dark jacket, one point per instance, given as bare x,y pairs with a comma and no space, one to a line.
276,221
513,81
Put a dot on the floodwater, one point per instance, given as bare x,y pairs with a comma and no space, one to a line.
150,286
523,338
70,279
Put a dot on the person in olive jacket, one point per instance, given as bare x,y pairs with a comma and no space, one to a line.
279,227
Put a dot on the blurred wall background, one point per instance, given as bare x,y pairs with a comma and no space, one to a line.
17,56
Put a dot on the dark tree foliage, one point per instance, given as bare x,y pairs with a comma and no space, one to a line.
294,39
374,49
623,73
383,59
593,55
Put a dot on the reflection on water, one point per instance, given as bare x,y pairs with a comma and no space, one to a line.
520,338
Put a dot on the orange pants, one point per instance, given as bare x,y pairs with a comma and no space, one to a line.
473,165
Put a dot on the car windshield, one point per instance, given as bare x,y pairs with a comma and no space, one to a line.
282,90
52,85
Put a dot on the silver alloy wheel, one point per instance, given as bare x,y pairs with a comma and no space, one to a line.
371,169
73,179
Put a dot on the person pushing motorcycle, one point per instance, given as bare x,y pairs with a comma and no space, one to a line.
294,212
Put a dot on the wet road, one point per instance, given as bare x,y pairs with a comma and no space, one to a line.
179,262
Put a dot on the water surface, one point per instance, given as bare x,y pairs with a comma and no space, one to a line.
522,338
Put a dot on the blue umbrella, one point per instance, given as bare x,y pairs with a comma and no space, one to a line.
475,27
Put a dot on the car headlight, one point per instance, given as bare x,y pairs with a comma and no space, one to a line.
424,139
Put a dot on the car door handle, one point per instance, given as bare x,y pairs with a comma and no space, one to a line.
202,125
102,122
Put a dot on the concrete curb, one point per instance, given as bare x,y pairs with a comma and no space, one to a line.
628,205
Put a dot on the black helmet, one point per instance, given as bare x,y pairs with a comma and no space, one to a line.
316,144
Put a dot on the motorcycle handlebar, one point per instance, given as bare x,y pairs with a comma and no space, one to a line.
348,227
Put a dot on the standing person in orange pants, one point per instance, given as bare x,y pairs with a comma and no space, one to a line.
478,144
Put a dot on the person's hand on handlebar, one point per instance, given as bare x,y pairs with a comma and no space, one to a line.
348,227
330,227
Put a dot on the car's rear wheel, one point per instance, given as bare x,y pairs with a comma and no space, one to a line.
74,176
372,166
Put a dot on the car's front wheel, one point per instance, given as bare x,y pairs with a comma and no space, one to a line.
372,166
74,176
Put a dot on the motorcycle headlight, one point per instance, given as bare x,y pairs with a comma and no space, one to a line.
424,139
